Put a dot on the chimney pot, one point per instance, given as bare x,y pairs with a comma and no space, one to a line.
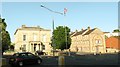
82,29
88,28
23,26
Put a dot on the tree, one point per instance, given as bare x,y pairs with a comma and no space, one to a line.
11,47
116,30
106,37
60,37
5,37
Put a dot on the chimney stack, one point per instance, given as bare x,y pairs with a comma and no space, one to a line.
82,29
88,28
23,26
76,31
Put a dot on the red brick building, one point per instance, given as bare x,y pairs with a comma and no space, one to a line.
113,42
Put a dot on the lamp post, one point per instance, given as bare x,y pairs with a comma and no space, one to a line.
66,37
53,26
65,10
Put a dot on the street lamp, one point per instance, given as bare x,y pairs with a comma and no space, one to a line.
53,25
65,10
51,10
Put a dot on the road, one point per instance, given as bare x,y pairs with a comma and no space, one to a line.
106,59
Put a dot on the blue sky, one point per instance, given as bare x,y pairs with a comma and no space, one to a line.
60,0
103,15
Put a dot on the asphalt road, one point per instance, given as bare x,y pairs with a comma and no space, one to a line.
106,59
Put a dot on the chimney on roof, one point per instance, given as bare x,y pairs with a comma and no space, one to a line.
76,31
88,28
82,29
23,26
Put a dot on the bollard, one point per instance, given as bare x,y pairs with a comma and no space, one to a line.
4,62
61,60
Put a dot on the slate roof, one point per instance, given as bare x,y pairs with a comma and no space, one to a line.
31,28
87,32
72,33
80,32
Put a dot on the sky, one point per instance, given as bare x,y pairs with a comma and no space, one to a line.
103,15
60,0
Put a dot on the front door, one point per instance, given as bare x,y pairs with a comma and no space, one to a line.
97,49
35,47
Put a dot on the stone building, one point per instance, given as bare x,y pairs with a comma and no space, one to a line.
88,40
31,39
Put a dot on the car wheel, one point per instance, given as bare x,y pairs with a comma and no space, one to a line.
20,64
39,61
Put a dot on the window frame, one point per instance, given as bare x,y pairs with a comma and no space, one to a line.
24,37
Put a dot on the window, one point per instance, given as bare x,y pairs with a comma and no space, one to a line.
24,37
34,37
43,47
98,41
44,38
24,47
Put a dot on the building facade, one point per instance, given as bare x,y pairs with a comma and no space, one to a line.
31,39
108,34
115,33
88,40
113,44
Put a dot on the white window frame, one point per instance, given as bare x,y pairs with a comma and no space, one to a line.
44,37
34,37
24,37
98,41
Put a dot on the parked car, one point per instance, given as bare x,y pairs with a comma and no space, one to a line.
23,58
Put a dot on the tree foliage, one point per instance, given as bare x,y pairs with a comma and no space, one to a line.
5,40
5,37
116,30
60,36
12,47
106,37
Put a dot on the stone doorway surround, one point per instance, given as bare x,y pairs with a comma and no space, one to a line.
35,45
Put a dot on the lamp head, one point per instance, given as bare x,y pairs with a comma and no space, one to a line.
42,6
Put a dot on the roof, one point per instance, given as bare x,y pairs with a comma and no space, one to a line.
80,32
106,32
84,32
89,31
31,28
72,33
